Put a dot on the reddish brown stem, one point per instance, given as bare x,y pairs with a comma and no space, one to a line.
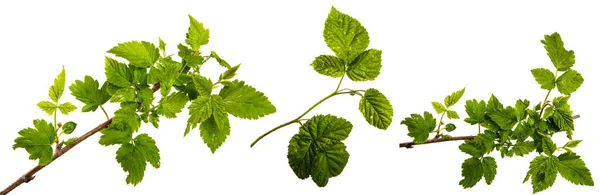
436,140
30,175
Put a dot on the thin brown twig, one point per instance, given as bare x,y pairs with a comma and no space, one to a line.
30,175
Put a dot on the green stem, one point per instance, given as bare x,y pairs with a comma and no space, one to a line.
105,114
478,128
440,125
299,118
546,98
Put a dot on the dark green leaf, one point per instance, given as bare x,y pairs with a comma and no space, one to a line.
489,169
69,127
472,172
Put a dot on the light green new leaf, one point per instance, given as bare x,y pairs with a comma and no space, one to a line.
166,72
472,172
543,172
521,109
329,65
230,72
87,92
141,54
489,169
506,118
438,107
366,66
376,109
453,98
345,35
47,106
476,111
573,169
66,108
37,141
572,144
317,150
204,85
161,44
244,101
419,126
133,157
544,77
562,59
117,73
214,130
452,114
57,89
220,60
569,82
172,104
197,35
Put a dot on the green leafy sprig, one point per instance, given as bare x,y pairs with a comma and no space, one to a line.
132,84
515,130
318,150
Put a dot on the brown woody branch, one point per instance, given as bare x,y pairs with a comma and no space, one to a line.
30,175
437,139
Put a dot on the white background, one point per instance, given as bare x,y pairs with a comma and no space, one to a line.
430,49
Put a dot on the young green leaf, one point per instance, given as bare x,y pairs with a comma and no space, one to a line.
438,107
452,114
197,35
214,130
572,144
161,45
317,150
244,101
230,72
573,169
366,66
345,35
70,141
48,107
172,104
57,89
419,126
543,172
453,98
133,157
37,141
87,92
476,111
521,109
548,145
376,109
66,108
569,82
505,118
204,85
117,73
220,60
562,59
544,77
141,54
472,172
199,110
329,65
69,127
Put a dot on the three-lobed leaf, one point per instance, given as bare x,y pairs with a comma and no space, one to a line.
376,109
140,54
133,157
89,93
37,141
419,126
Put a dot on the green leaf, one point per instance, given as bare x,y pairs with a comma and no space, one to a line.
37,141
569,82
366,66
57,89
548,145
438,107
161,44
133,157
544,77
126,94
574,170
204,85
523,148
521,109
329,65
522,132
244,101
505,118
166,72
87,92
66,108
197,35
214,130
419,126
128,116
220,60
453,98
345,35
117,73
489,169
548,111
472,172
48,107
452,114
494,104
141,54
115,134
543,172
70,141
230,73
561,58
69,127
199,110
562,116
140,75
476,111
172,104
572,144
376,109
450,127
317,150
